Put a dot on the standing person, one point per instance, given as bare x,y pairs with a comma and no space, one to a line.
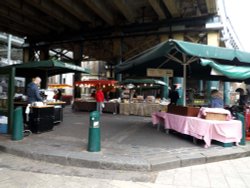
173,95
33,91
58,94
216,99
99,96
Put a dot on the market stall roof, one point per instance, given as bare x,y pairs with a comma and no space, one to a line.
48,67
174,54
144,81
230,71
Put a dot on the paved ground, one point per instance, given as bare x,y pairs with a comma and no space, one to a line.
18,172
128,143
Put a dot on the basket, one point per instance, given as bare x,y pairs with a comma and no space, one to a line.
216,116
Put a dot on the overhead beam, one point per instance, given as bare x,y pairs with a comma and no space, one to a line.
30,13
15,28
75,9
211,6
50,8
98,7
157,8
17,18
123,7
172,7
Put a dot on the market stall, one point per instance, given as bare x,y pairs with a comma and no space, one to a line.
29,70
223,131
143,97
195,61
87,102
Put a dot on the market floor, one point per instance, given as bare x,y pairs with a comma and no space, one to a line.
127,143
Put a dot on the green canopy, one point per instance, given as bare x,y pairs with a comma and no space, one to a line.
144,81
173,54
184,58
233,72
48,67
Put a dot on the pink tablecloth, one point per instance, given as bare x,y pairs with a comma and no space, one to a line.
223,131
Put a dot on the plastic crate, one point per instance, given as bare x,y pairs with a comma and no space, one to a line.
3,128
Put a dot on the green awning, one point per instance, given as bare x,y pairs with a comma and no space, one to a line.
173,54
233,72
48,67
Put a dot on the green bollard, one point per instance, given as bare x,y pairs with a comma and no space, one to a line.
94,142
242,119
17,133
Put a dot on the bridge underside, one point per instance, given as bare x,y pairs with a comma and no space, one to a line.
110,30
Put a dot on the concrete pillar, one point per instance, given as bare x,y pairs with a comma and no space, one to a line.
179,82
44,54
226,93
77,55
165,88
117,53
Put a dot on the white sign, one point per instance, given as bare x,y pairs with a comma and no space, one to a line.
160,72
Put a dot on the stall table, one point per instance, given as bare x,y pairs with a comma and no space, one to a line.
141,109
208,130
110,107
58,109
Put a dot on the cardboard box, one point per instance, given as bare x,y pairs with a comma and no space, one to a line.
216,116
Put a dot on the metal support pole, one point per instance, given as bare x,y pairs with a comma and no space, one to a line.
165,88
184,83
200,83
11,88
226,93
179,82
9,49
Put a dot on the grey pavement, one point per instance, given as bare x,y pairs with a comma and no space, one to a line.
128,143
18,172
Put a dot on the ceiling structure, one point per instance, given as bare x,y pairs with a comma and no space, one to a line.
51,22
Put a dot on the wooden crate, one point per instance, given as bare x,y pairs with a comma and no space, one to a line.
183,110
215,116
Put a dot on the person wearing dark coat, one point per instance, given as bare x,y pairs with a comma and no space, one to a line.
173,95
33,91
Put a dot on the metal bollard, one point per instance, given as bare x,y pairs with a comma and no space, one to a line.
94,141
17,133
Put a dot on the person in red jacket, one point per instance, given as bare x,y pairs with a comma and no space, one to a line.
99,97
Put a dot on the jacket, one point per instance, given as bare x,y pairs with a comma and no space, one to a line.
33,93
217,102
99,96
